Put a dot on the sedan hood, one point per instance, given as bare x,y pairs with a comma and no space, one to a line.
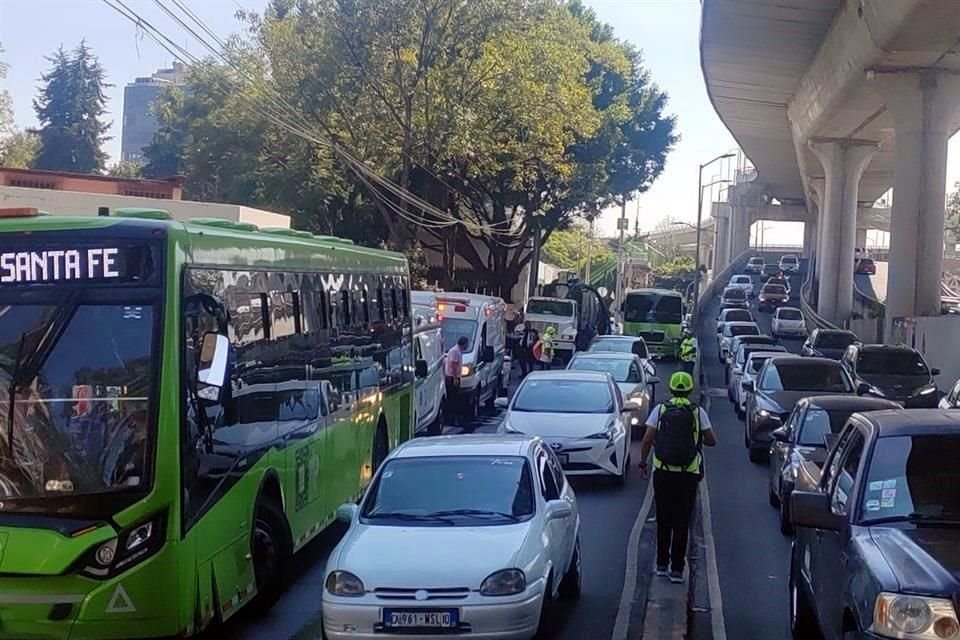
896,385
559,425
429,557
923,559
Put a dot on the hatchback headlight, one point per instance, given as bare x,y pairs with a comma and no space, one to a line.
504,583
344,583
928,390
914,618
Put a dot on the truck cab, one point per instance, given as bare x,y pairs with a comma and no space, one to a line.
559,313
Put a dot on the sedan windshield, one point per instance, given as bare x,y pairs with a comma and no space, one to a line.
914,478
81,381
451,491
902,363
742,330
452,329
616,367
817,423
738,315
550,307
806,377
619,345
564,396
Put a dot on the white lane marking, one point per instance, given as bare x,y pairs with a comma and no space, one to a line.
622,624
713,574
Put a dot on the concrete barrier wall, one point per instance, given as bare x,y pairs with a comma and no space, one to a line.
938,339
867,329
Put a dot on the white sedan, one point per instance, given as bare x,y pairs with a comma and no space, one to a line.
581,415
467,537
788,321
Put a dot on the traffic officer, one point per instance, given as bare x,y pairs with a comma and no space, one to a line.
688,351
676,431
547,347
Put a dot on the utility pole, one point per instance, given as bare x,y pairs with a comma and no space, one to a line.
535,257
696,277
622,225
586,272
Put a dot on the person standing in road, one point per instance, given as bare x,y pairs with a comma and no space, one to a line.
528,340
547,348
676,431
452,368
688,351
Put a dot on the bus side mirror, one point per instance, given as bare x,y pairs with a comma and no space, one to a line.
214,354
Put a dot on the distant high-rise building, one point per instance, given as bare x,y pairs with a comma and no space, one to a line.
139,125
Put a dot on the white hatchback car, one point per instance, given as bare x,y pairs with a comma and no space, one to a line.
742,282
471,536
581,415
788,321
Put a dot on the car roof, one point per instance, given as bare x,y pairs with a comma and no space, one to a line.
767,351
762,339
836,332
486,444
604,355
563,374
891,423
848,403
612,338
889,348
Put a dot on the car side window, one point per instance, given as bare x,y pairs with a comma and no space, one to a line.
846,479
793,422
558,477
832,466
548,483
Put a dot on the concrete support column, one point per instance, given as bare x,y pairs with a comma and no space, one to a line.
923,105
861,238
843,164
721,244
739,229
817,187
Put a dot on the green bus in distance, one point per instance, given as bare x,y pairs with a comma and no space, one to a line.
183,406
656,315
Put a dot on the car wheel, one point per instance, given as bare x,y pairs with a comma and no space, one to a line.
803,624
571,585
545,625
759,456
740,412
621,478
786,527
474,412
772,497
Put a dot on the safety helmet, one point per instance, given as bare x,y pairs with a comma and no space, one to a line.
681,383
550,331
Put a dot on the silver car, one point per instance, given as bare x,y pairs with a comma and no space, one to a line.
730,331
580,414
749,374
628,372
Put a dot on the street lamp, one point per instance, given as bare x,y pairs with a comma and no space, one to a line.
700,187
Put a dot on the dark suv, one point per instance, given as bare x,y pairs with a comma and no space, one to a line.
896,373
877,531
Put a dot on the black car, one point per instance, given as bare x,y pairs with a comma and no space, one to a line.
805,437
779,386
828,343
772,269
877,546
896,373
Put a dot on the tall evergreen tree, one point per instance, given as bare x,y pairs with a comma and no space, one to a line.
69,108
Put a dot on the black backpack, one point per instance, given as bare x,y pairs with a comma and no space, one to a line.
678,442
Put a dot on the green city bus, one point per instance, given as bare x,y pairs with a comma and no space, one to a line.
656,315
184,406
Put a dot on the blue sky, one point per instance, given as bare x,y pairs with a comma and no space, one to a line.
666,30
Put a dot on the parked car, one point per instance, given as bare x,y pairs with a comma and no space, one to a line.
582,417
772,296
730,331
747,370
733,298
628,372
789,263
866,266
788,321
625,344
828,343
805,436
894,372
743,282
877,531
401,567
778,386
952,399
754,265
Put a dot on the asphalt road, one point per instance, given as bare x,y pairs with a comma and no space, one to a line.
752,555
608,518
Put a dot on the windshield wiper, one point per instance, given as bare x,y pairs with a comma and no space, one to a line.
410,517
480,513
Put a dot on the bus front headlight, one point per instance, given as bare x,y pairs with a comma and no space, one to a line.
131,547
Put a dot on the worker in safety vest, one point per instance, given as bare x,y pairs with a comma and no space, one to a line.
676,431
688,351
543,351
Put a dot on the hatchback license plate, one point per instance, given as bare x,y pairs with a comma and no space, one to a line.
421,618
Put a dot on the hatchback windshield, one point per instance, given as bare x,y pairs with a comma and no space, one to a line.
914,477
616,367
619,345
453,328
742,330
564,396
790,314
81,377
839,340
550,307
742,280
817,423
902,363
806,377
734,294
451,491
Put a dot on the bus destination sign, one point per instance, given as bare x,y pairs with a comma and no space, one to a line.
74,266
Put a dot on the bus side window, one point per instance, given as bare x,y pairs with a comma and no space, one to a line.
381,307
393,302
345,303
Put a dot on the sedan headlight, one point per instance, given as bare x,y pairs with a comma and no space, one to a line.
914,618
763,413
928,390
607,435
504,583
344,583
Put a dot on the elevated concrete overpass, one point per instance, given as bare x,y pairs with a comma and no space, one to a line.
835,102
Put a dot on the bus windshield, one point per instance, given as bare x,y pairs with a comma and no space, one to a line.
81,380
653,307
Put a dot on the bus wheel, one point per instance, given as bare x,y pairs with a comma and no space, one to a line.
271,548
381,446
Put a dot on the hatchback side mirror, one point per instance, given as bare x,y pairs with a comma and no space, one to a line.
748,386
347,512
501,402
864,389
780,434
812,509
558,510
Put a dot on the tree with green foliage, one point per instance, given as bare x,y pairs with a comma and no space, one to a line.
70,110
568,249
125,169
6,104
953,211
19,150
